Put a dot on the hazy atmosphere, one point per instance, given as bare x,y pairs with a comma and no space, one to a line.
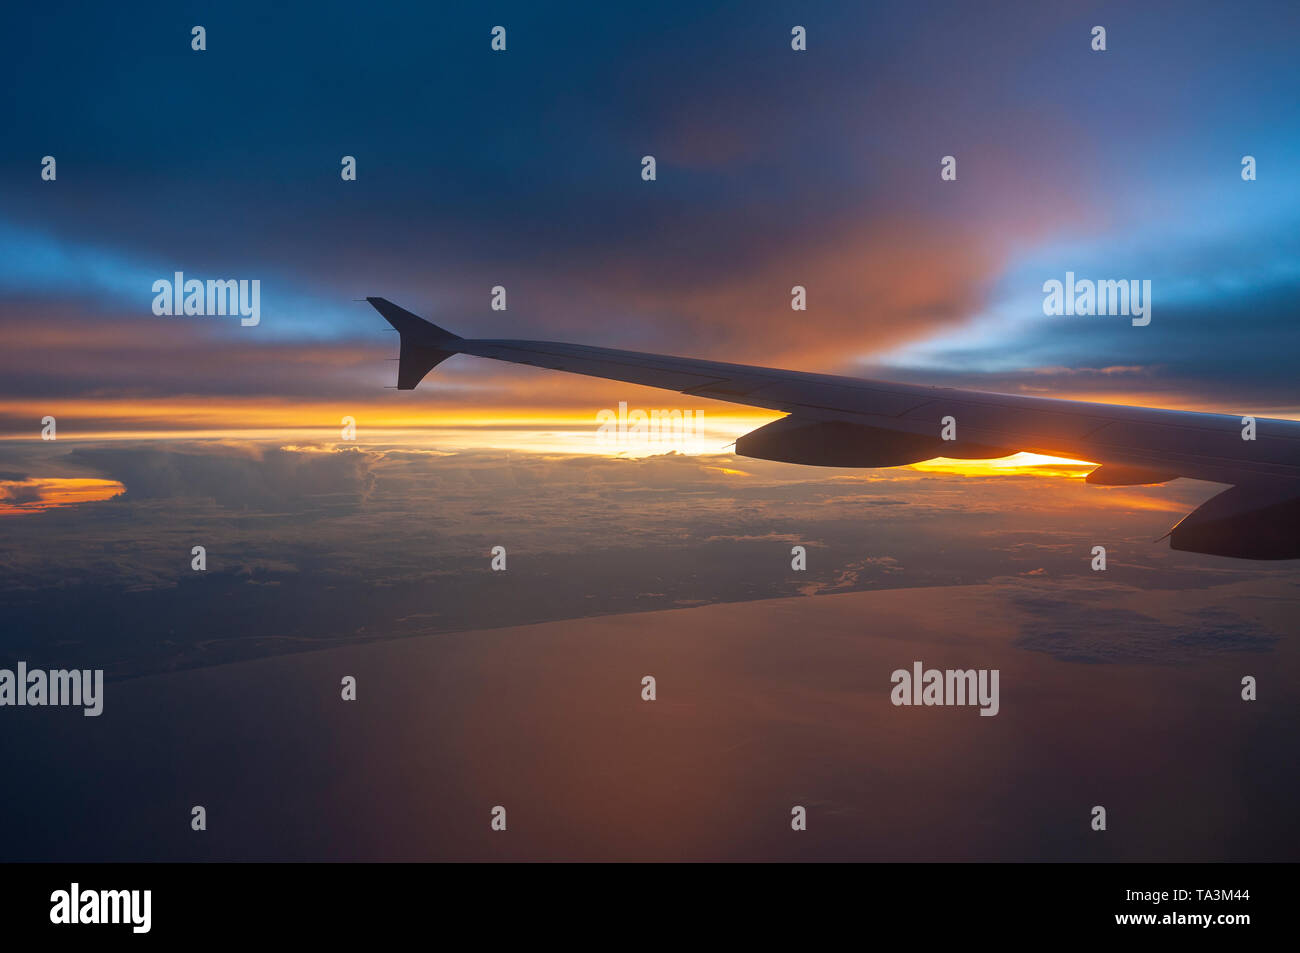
350,530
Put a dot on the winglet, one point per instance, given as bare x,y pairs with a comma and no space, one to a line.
424,344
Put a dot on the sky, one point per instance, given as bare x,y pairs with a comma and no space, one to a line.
523,169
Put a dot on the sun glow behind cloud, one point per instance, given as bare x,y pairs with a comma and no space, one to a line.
1019,464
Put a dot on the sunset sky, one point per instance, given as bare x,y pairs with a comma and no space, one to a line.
523,169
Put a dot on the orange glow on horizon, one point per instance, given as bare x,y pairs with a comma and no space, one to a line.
450,429
112,418
422,424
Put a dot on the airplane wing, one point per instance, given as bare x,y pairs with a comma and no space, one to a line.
854,422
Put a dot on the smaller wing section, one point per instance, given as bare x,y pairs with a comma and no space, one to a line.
1245,522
